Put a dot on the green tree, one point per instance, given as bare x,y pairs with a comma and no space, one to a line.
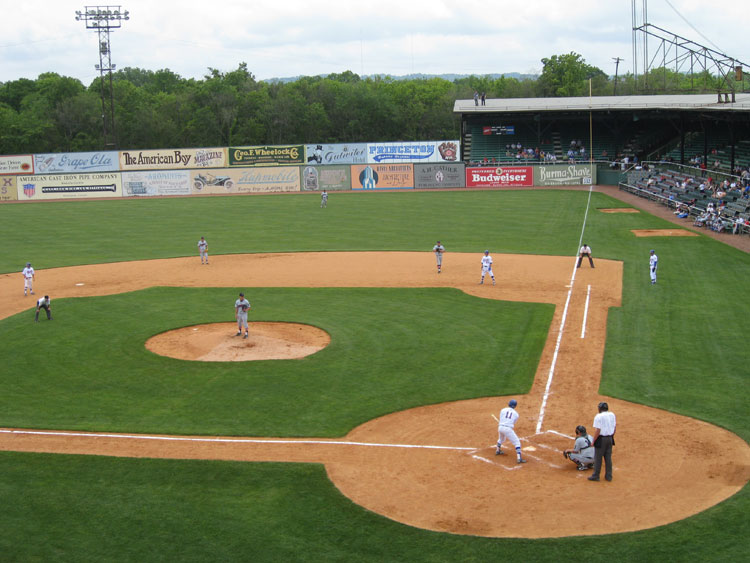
568,75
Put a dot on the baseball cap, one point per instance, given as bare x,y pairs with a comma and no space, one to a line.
242,295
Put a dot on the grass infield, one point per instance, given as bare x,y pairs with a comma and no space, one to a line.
678,346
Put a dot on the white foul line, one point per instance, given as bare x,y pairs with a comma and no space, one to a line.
540,421
585,312
227,440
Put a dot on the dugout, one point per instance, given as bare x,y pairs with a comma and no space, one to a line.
714,127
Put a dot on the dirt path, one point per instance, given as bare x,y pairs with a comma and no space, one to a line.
434,467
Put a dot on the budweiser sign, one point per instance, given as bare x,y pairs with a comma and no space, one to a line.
498,177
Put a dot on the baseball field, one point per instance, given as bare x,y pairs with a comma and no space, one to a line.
379,445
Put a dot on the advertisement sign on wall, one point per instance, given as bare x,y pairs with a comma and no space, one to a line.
382,177
251,180
156,183
75,162
18,164
498,177
564,175
428,151
329,178
173,159
336,154
270,155
439,175
8,190
68,186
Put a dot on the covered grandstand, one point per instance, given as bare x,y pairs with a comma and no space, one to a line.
707,130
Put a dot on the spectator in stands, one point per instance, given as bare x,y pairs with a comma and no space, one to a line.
739,222
476,98
682,211
484,98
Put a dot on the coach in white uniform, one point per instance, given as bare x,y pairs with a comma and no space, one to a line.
605,425
28,278
487,267
506,422
241,307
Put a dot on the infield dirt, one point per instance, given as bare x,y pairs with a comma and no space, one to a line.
434,467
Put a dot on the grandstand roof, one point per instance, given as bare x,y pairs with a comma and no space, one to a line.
695,102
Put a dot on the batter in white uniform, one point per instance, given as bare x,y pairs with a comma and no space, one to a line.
487,267
653,264
241,307
507,421
203,250
28,278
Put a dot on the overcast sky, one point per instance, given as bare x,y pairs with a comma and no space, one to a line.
283,38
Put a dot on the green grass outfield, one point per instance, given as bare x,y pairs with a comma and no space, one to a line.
679,345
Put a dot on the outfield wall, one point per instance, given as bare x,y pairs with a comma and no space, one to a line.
267,169
289,179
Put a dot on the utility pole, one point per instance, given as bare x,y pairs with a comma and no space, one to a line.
617,66
103,19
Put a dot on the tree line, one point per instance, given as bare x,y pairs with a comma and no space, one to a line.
160,109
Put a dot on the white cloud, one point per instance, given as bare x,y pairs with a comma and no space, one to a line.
294,37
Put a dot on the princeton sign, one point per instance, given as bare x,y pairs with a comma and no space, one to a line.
565,175
267,155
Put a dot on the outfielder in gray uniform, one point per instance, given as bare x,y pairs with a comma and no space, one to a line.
241,307
582,453
438,249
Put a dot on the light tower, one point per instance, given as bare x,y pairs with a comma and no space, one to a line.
103,19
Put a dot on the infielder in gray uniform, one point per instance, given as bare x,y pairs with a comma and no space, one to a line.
438,249
241,306
203,250
582,453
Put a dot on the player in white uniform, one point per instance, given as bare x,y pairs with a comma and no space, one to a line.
43,303
438,249
582,453
507,421
487,267
653,264
324,198
203,250
241,307
28,279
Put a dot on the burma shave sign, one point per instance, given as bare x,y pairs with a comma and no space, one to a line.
499,177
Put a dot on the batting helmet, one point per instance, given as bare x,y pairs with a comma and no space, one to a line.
603,407
580,429
512,403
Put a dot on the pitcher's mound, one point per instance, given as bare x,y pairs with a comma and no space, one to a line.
217,342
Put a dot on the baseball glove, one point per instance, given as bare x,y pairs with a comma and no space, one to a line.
565,455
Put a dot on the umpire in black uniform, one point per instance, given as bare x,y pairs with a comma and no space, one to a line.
43,303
